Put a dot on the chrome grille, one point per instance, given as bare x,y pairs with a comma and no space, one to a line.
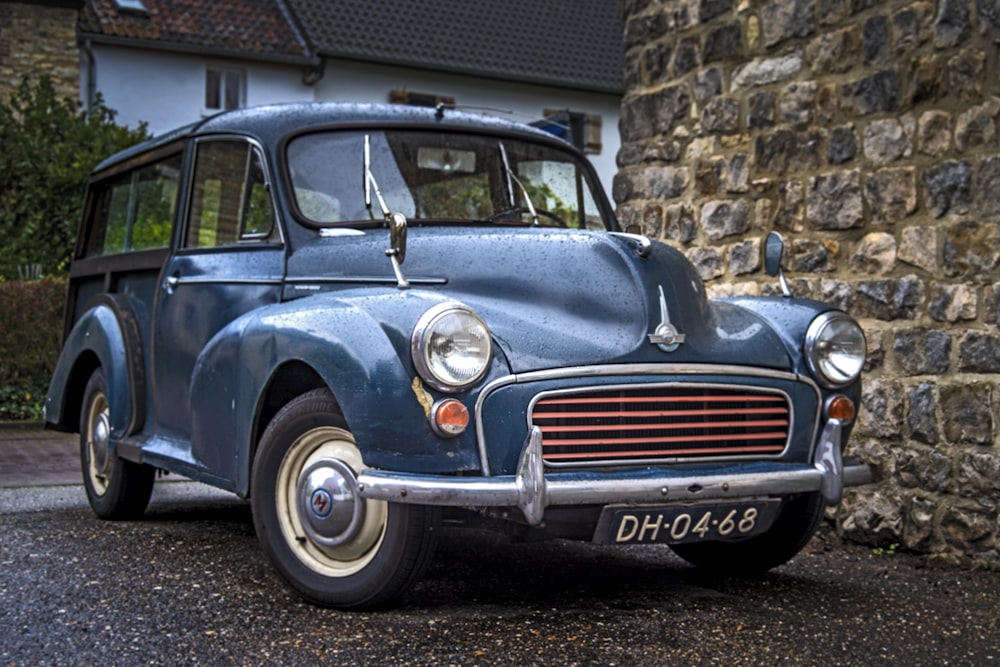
650,423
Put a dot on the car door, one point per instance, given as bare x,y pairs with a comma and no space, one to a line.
230,260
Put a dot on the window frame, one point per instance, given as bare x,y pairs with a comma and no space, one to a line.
221,88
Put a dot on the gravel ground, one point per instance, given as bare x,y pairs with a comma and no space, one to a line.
188,584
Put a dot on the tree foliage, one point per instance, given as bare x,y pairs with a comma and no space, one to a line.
48,146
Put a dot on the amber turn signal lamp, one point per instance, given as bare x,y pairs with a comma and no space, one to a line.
840,407
449,417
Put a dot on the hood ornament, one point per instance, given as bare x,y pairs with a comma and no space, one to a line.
666,336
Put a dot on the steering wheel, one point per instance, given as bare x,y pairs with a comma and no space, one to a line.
521,210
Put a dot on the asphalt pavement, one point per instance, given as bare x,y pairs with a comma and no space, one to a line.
188,584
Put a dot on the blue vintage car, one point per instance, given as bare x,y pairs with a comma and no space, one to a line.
366,318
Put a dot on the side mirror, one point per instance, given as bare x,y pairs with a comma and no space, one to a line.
397,237
774,248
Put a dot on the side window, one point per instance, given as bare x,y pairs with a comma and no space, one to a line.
230,202
135,210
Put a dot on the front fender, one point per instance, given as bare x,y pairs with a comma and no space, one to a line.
358,346
108,331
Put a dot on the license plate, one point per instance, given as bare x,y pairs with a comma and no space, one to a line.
677,524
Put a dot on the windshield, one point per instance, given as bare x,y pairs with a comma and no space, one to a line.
442,178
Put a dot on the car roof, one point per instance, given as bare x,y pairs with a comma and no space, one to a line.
270,123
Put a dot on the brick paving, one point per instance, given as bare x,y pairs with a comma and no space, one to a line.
32,456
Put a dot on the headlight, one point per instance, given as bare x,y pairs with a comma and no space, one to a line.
451,347
835,349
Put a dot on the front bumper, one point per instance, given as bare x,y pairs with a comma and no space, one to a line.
532,490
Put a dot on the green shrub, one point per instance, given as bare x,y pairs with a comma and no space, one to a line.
31,318
48,147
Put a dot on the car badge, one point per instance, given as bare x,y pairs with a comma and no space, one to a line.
666,336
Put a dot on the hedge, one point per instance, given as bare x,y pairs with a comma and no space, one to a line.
31,320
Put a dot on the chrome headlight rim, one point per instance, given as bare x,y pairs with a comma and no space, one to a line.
421,338
815,339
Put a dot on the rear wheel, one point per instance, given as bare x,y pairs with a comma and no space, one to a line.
332,546
116,489
790,532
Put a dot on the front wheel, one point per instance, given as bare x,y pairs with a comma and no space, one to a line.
791,531
116,489
332,546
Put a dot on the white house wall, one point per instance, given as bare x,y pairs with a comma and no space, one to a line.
363,82
167,90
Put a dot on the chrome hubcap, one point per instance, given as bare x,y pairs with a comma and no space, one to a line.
329,507
100,439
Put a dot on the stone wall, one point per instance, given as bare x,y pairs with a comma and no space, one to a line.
868,133
39,38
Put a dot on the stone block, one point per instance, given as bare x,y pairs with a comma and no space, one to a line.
875,357
760,109
790,212
977,126
889,139
876,40
707,84
763,71
919,246
977,472
797,103
988,12
948,188
892,196
722,218
921,413
953,303
833,201
923,467
872,94
881,411
737,175
927,80
834,52
843,145
784,151
971,248
723,43
709,9
919,527
871,517
979,352
912,26
967,415
988,188
707,262
837,293
966,75
644,28
832,12
968,528
992,303
686,56
875,254
744,257
808,256
784,19
663,182
889,299
951,26
679,224
646,116
934,133
922,351
655,63
721,115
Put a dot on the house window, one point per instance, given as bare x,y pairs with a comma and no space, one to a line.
580,129
224,89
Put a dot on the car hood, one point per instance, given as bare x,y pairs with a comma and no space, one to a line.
556,298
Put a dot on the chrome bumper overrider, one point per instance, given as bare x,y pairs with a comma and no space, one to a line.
531,491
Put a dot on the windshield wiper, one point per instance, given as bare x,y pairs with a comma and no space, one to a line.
510,187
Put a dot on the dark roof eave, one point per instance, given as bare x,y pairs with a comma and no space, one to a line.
509,77
196,49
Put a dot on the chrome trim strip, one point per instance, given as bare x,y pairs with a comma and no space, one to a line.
531,491
363,280
574,372
195,280
663,385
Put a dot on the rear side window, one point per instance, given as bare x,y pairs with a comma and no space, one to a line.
230,202
135,210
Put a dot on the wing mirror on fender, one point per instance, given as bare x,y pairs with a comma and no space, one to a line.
774,248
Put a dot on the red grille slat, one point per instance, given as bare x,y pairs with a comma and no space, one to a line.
676,422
